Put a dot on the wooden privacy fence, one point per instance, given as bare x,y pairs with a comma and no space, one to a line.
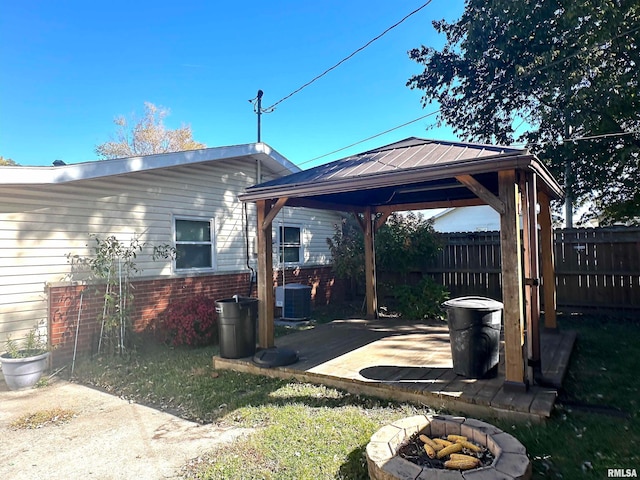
596,268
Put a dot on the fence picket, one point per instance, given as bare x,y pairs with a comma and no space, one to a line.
596,268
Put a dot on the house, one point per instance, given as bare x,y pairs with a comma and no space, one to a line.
49,213
478,218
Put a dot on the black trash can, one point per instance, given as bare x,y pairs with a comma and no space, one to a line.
474,332
237,318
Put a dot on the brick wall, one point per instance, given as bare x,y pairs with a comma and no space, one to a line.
152,298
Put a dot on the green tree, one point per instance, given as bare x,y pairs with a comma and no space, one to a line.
404,244
147,136
6,162
568,69
347,251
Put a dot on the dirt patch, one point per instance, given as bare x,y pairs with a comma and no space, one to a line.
107,438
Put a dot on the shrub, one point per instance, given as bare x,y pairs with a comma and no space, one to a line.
191,322
420,301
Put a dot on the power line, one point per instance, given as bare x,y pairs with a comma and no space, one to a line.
371,137
595,137
530,73
349,56
578,139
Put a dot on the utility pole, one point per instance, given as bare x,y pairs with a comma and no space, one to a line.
568,201
259,110
257,107
568,195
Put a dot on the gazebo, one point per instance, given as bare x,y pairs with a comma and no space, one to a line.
416,174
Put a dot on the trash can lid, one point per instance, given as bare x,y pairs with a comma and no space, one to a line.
275,357
296,286
475,303
237,299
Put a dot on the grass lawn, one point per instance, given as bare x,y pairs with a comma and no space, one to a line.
304,431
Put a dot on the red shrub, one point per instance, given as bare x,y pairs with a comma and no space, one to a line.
191,322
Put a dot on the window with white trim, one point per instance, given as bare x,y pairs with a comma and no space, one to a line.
194,241
289,244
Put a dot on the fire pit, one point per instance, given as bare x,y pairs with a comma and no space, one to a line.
501,456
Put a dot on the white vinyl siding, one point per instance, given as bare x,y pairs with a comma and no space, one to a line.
41,225
479,218
315,227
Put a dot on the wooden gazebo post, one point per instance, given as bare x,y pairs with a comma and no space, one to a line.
266,212
529,190
548,262
265,277
510,251
369,265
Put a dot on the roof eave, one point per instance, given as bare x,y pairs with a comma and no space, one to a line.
23,175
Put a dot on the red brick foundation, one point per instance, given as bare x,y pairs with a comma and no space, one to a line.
152,297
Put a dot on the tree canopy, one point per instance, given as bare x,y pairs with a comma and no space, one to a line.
6,162
147,136
567,70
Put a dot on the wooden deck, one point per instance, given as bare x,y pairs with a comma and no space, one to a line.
411,361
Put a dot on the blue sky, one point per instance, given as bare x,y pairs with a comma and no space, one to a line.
70,67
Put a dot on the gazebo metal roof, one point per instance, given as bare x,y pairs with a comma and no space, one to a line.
410,171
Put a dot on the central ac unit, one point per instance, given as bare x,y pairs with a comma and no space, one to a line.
295,301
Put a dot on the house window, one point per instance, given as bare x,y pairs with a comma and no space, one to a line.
289,248
194,244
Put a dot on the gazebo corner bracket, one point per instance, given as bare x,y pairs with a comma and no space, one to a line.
482,192
268,219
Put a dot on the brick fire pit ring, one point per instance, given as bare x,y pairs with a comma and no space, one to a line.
511,460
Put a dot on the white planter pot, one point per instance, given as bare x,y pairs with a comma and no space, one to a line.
23,372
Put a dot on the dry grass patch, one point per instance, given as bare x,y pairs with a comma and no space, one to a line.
43,418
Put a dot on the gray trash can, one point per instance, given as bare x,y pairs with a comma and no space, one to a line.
237,318
474,332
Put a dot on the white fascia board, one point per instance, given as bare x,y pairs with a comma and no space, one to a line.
25,175
445,212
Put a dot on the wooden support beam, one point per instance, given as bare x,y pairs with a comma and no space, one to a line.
528,189
370,265
548,262
310,203
400,207
510,251
532,193
526,270
266,329
273,211
482,192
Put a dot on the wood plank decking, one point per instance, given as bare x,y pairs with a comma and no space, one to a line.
411,361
